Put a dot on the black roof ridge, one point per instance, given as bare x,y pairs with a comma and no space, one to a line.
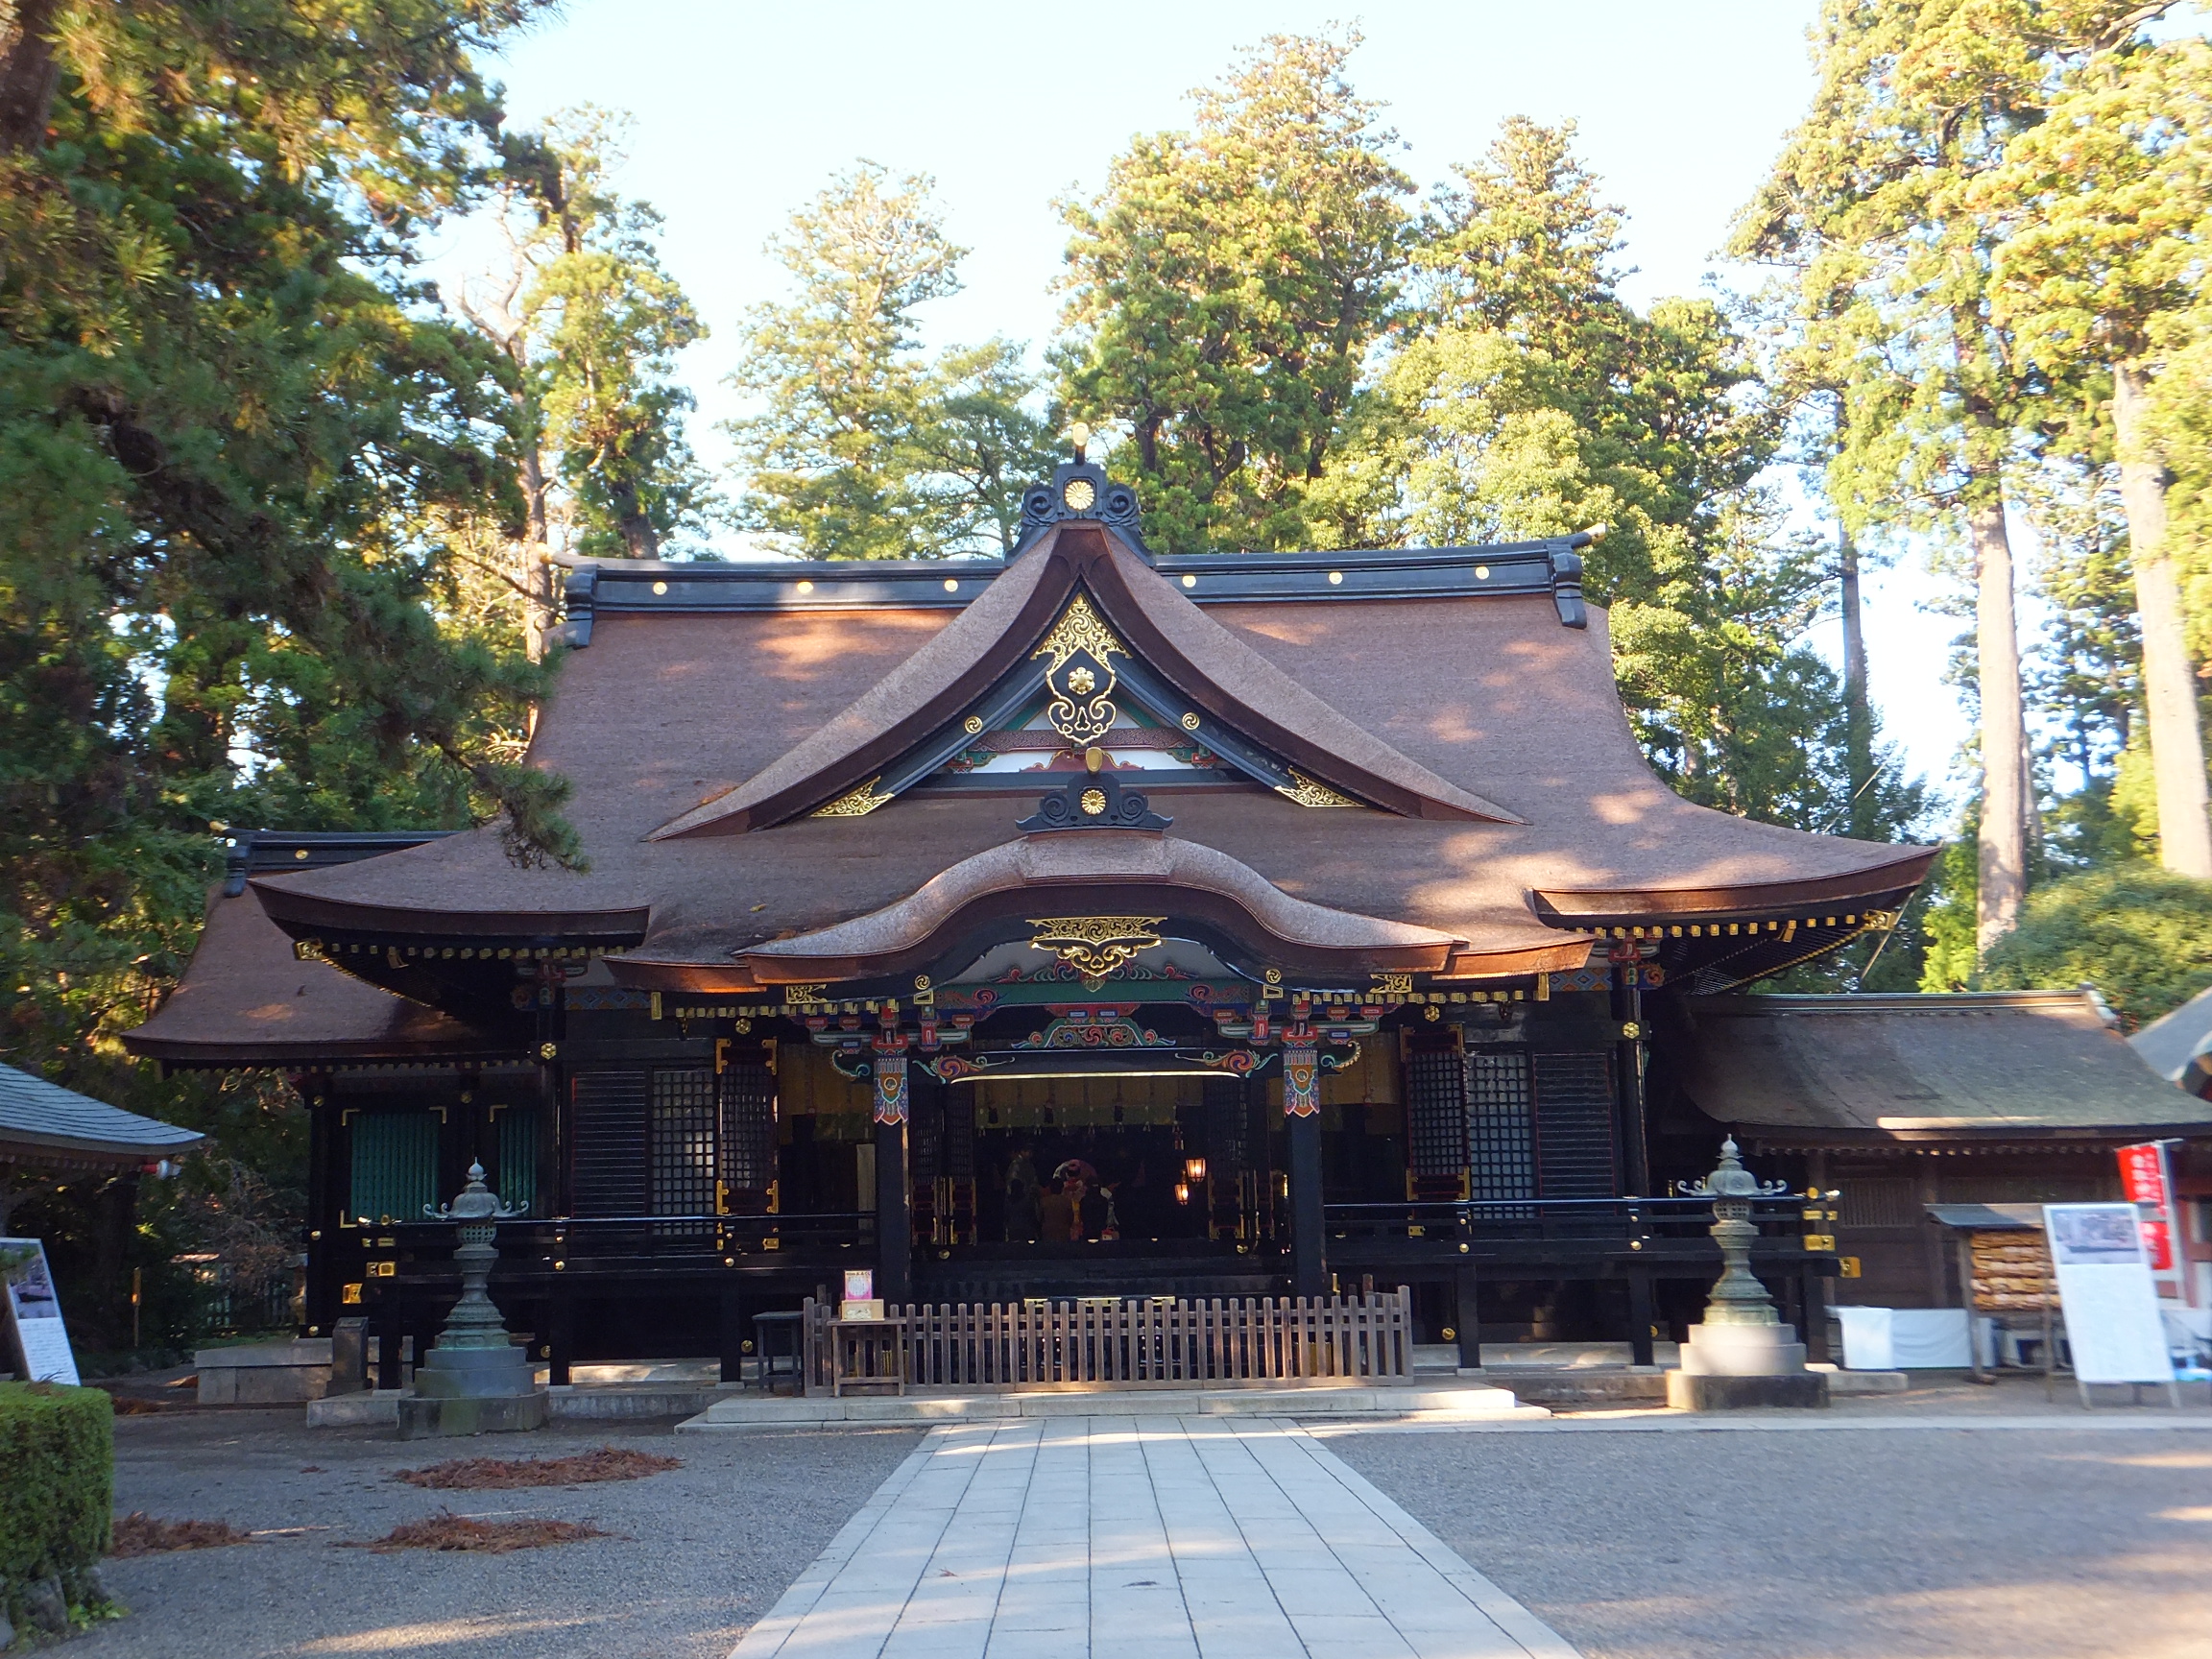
1552,566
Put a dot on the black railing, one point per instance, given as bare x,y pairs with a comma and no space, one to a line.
1507,1220
528,1245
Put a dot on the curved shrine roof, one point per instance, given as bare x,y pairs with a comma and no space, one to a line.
1516,818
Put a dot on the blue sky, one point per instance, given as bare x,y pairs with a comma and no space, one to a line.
743,111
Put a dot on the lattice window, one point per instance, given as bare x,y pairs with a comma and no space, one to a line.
959,1106
682,1141
609,1175
924,1132
1501,1125
1437,1114
1228,1126
1573,1126
395,1167
1880,1201
748,1129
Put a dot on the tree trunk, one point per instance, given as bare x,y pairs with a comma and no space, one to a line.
2169,685
29,74
2004,838
1858,715
538,595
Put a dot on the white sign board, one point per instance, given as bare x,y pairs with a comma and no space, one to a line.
2113,1321
35,1314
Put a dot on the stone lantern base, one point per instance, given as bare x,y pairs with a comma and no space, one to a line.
422,1418
1694,1391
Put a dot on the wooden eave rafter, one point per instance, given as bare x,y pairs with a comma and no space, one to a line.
1221,679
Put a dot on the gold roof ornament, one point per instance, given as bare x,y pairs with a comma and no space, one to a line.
1094,945
1307,793
1080,675
855,802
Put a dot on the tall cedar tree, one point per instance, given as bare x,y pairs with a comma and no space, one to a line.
1524,397
2103,207
1225,293
227,419
1872,207
592,323
860,447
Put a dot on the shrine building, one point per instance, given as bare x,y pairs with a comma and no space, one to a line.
1087,923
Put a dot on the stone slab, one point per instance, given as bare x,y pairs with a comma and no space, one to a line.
379,1409
1694,1391
422,1418
1863,1381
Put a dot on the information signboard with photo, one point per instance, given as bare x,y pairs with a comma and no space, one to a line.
40,1340
2113,1320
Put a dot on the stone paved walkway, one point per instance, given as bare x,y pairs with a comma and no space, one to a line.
1125,1538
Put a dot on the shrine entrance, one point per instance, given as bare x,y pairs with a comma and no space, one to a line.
1120,1157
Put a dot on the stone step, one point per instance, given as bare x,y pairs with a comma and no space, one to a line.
1439,1404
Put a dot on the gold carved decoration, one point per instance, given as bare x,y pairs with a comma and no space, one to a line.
1079,495
1082,709
1093,802
1190,722
971,725
1094,945
1307,793
856,803
1393,984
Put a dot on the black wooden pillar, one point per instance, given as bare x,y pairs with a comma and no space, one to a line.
1308,1269
1639,1317
1628,1066
1468,1318
893,1215
1812,1302
734,1333
556,1112
325,1206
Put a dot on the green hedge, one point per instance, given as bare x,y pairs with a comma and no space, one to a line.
57,1484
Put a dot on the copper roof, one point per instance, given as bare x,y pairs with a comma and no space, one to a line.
1513,818
248,999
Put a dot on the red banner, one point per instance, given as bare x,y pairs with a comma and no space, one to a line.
2143,1179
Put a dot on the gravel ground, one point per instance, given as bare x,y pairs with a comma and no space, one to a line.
2053,1542
702,1553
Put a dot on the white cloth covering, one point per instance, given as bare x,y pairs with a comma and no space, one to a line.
1905,1338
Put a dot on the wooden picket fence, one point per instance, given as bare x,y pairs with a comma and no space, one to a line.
1153,1343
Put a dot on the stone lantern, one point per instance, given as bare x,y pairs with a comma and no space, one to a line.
475,1381
1741,1353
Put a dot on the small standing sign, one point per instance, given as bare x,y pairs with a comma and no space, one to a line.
35,1314
2113,1320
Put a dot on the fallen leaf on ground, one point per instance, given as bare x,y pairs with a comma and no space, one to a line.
138,1533
446,1531
608,1463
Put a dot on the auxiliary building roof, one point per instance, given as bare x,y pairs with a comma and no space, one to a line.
1974,1066
44,1124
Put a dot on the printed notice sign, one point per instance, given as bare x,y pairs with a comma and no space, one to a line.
35,1314
2112,1319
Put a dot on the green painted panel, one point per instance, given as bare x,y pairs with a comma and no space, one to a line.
395,1167
517,1176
